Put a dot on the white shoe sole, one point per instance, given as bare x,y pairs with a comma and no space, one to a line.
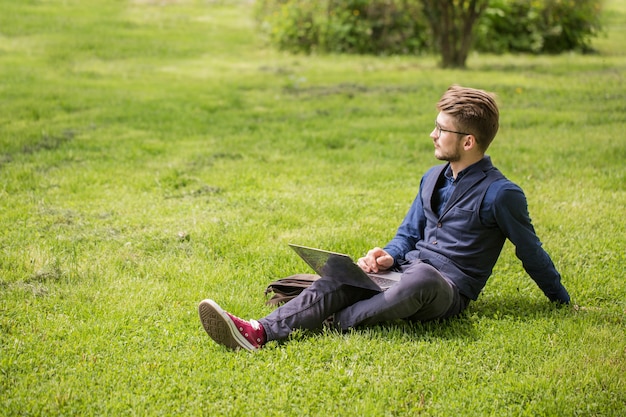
220,327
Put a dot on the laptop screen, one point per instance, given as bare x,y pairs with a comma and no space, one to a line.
317,258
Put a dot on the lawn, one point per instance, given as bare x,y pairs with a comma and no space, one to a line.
156,153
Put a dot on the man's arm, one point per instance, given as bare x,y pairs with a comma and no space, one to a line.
411,230
510,211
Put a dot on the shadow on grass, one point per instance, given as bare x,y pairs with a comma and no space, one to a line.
524,308
516,307
464,326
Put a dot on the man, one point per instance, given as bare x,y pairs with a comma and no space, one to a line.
446,247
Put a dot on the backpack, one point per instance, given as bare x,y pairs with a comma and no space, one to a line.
288,288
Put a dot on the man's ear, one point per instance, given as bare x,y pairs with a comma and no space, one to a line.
469,142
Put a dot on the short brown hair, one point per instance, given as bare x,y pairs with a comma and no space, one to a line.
474,111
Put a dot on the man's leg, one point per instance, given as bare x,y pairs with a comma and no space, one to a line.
422,294
307,311
315,304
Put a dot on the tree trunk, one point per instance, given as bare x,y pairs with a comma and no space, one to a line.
452,24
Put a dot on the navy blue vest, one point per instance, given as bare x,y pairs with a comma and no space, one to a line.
457,243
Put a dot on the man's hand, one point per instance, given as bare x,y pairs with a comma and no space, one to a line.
376,260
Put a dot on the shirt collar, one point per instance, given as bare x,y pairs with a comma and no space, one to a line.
448,171
449,176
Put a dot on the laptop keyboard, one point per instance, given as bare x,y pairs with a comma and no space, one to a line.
383,282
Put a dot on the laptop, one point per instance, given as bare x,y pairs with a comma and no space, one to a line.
343,268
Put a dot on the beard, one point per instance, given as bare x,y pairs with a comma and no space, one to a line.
450,156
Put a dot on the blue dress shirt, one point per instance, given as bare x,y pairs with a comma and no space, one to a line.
504,207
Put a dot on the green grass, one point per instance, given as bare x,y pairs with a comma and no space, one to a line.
155,153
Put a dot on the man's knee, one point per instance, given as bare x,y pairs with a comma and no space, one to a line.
422,277
430,289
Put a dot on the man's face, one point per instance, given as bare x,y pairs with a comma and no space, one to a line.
448,142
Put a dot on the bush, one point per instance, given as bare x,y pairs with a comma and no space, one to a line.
352,26
538,26
400,26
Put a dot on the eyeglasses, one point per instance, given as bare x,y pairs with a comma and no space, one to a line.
441,129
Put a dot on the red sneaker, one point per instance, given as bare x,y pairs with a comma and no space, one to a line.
229,330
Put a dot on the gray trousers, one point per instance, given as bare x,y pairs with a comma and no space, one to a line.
422,294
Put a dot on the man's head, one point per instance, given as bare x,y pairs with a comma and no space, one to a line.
472,111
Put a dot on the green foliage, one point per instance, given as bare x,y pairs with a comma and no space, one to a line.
539,26
355,26
400,26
